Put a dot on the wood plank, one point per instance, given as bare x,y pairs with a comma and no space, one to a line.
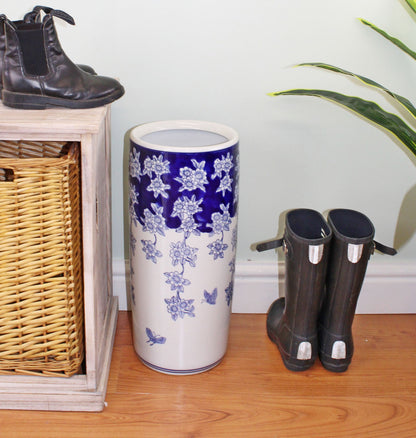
30,384
251,394
89,239
57,120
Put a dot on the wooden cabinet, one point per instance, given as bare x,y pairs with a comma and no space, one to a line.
91,128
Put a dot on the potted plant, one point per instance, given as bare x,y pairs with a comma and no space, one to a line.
369,110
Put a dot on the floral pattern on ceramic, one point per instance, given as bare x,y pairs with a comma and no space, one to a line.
187,204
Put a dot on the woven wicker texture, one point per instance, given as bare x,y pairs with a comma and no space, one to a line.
41,287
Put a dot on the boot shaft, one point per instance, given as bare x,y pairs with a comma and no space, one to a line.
28,36
351,248
306,241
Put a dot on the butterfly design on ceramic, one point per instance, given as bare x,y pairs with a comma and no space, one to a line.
153,338
210,298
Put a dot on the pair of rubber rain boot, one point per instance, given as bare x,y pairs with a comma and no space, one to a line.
326,263
36,73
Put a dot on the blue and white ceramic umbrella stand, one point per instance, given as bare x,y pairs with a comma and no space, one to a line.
183,236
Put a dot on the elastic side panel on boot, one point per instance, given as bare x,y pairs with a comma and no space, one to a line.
304,351
33,51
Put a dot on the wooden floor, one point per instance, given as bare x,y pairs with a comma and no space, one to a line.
251,394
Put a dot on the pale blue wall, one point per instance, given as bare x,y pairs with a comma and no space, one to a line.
217,60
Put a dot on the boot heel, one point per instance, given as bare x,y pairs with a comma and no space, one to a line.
304,358
335,352
334,365
22,101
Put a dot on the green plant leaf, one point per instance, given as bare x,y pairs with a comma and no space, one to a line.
412,4
369,110
402,100
395,41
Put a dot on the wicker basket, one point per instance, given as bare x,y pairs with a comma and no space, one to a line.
41,287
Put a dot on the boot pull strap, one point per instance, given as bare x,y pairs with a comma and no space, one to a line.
34,15
384,249
271,244
62,15
5,21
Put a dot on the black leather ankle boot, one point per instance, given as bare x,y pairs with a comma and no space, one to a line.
292,321
30,17
351,247
37,73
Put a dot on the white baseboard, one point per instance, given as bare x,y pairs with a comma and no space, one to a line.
387,288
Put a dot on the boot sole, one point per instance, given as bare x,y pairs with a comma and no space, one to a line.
333,365
34,101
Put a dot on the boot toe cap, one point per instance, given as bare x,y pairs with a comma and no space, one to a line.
103,87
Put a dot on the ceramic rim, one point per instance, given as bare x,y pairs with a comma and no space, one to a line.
140,131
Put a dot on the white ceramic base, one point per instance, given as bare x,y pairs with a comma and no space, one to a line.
195,339
180,372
